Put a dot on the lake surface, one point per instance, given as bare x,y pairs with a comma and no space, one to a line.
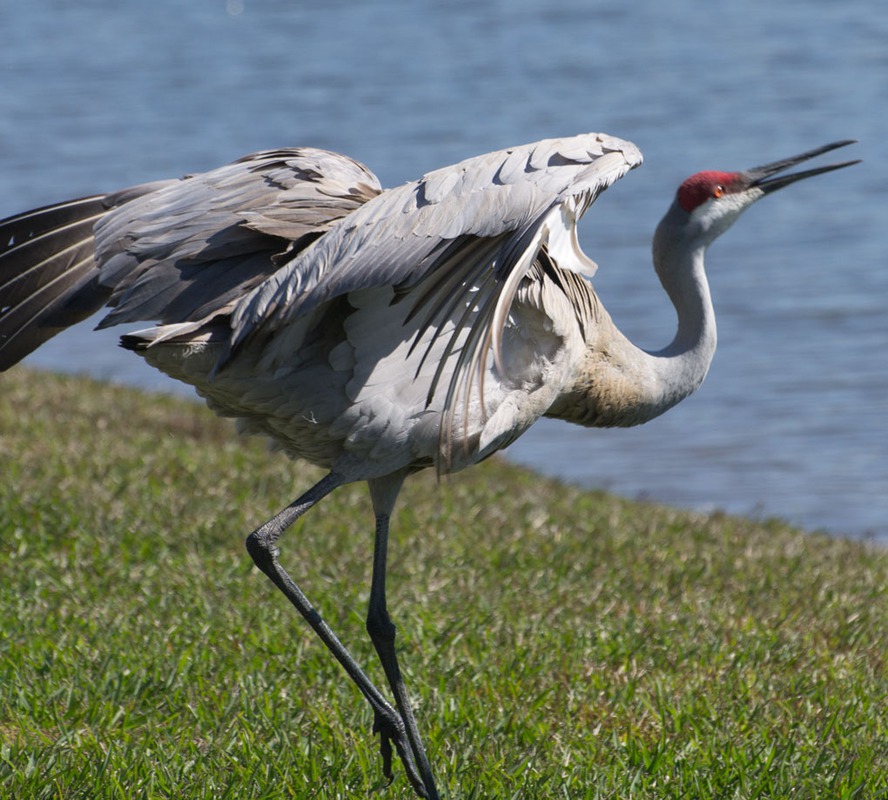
791,422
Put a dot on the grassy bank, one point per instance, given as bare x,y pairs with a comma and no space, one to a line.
559,643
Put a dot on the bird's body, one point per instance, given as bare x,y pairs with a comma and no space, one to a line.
346,349
347,388
372,332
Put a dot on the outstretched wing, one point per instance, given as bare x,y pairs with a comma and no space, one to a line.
457,242
172,251
49,278
520,198
193,248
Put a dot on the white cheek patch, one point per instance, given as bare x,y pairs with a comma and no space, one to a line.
715,216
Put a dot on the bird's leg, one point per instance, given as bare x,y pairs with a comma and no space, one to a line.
262,547
384,491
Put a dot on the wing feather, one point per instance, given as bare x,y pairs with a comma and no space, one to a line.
392,239
193,248
175,251
424,238
264,241
49,277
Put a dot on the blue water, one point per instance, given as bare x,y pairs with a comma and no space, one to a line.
791,422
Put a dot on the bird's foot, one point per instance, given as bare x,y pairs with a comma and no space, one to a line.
390,727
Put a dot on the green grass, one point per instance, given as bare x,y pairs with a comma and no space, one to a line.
559,643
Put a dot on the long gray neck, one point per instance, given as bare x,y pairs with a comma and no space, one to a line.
682,365
619,384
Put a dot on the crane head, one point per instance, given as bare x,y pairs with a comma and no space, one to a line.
712,200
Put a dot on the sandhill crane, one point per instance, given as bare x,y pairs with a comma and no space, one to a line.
375,333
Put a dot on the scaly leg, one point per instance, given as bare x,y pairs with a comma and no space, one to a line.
384,492
262,546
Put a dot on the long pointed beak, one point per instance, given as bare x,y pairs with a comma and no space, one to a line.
760,177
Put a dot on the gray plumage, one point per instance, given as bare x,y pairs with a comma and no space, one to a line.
376,332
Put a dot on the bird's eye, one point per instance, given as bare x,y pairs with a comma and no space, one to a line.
718,191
